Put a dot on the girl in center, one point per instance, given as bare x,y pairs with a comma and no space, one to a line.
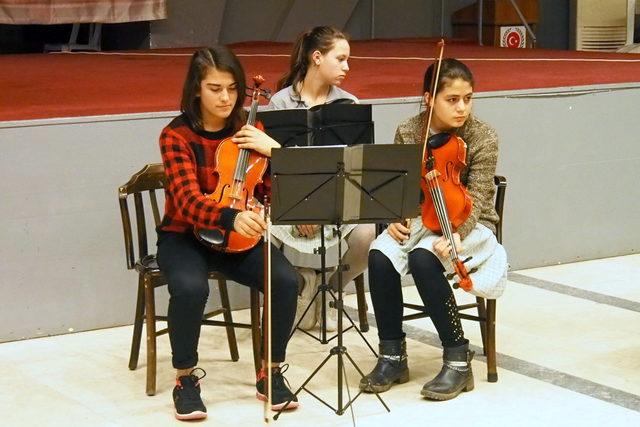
319,65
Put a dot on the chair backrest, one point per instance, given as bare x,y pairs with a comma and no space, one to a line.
149,179
501,184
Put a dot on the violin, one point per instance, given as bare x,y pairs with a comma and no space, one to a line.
447,204
441,185
239,170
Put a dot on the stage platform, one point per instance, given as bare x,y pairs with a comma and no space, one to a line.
73,127
41,86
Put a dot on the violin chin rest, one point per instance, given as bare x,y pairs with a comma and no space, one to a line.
211,236
438,140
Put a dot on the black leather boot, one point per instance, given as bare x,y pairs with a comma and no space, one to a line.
455,376
391,367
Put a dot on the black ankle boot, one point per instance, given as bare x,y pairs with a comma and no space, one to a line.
391,367
454,377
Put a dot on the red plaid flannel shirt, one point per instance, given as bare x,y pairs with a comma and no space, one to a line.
189,161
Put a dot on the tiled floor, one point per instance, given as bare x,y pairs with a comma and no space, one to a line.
567,337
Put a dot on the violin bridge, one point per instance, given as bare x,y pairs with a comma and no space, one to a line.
431,175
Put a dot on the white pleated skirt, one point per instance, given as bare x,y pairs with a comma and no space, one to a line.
487,254
301,251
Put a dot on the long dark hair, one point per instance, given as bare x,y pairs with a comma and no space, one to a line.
451,69
321,39
220,58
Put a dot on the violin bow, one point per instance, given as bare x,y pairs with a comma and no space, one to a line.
267,310
432,89
432,95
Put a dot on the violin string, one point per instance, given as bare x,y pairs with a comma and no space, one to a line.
237,173
445,225
441,211
436,203
243,157
244,160
444,222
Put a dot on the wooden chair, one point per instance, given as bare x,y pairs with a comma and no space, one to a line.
362,303
486,307
148,180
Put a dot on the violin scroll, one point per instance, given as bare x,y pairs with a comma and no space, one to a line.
256,91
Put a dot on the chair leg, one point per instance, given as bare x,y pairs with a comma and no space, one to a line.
492,372
228,318
137,326
482,313
150,309
255,329
362,303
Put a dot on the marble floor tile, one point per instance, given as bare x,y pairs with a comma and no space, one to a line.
563,360
619,276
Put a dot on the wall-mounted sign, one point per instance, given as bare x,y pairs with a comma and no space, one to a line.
513,36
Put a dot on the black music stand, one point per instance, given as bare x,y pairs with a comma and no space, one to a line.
344,185
339,123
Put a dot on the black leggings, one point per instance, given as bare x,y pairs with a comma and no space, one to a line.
186,263
434,290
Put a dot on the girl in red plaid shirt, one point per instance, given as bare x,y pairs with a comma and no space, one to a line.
212,110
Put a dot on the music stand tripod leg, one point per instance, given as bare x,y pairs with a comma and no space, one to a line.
338,350
321,292
326,288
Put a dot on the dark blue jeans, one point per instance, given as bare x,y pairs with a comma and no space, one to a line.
186,263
